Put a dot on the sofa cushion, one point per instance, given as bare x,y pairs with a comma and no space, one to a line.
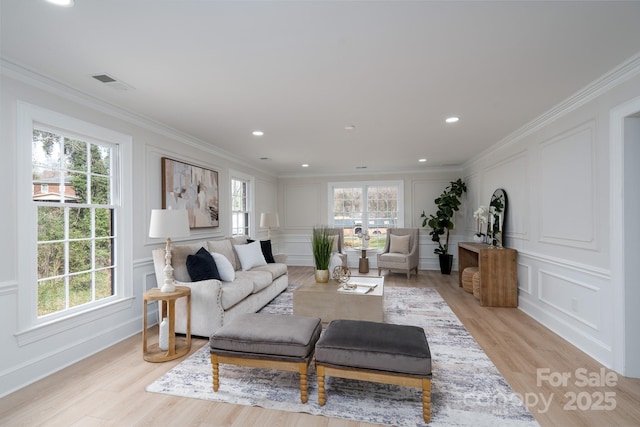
276,270
238,240
234,292
225,248
260,279
201,266
267,251
399,244
227,273
391,257
179,254
250,255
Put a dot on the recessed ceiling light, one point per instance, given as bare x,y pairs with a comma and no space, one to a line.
350,127
257,133
361,167
264,158
305,165
63,3
422,160
452,119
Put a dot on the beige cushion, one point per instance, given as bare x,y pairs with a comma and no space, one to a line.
225,248
276,270
179,254
234,292
335,243
399,244
260,279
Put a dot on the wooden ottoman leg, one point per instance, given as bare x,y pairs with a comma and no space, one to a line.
302,368
321,396
215,367
426,399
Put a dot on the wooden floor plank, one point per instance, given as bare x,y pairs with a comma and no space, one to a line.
108,388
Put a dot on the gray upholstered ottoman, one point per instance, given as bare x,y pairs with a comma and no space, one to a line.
271,341
378,352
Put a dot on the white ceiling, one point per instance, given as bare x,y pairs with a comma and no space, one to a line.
302,71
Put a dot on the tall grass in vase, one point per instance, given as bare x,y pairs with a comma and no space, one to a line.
322,245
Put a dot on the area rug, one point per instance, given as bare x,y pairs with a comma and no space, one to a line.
467,389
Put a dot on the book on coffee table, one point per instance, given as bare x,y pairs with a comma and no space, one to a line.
361,288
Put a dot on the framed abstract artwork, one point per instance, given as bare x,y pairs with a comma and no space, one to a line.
193,188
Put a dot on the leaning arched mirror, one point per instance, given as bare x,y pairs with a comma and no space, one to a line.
497,217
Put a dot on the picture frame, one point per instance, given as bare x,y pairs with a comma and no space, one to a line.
194,188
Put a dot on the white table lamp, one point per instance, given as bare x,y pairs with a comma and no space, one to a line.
167,223
268,220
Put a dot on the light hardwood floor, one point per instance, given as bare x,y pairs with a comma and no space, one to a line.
108,388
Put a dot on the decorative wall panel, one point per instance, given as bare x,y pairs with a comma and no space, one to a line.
566,188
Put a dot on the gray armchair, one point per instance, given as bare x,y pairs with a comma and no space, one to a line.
406,254
339,244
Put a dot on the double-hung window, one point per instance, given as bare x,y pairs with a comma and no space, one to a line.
241,205
74,218
364,210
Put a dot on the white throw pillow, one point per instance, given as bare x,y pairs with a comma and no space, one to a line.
250,255
225,269
399,244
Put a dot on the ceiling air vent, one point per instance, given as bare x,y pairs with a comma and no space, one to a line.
112,82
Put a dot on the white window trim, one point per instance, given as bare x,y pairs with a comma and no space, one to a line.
30,328
363,185
233,174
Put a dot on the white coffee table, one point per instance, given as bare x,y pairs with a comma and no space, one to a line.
324,301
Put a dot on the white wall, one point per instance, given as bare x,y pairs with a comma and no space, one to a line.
23,363
303,203
556,173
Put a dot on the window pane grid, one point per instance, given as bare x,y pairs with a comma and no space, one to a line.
240,213
75,221
373,217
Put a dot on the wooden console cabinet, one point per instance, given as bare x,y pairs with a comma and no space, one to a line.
498,272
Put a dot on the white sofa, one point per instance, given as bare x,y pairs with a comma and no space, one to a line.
214,302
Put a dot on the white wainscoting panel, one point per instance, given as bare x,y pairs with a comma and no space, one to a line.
302,205
524,278
517,188
567,191
570,297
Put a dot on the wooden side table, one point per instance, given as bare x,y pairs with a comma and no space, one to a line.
498,272
177,347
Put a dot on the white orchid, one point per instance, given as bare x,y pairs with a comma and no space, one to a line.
480,216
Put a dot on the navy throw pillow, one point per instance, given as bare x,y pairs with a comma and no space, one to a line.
201,266
265,245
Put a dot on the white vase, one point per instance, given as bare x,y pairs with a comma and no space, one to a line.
163,338
478,239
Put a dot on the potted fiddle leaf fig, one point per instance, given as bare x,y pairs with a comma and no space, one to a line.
322,245
447,204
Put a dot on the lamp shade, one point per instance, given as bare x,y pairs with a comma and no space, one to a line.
269,219
169,223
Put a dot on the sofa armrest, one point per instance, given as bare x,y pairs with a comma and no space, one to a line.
280,258
206,308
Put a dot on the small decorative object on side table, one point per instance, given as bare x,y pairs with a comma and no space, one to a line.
177,347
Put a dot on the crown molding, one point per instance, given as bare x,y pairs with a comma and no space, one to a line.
623,72
31,77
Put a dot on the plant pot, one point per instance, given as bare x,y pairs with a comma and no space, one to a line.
322,276
478,239
446,263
